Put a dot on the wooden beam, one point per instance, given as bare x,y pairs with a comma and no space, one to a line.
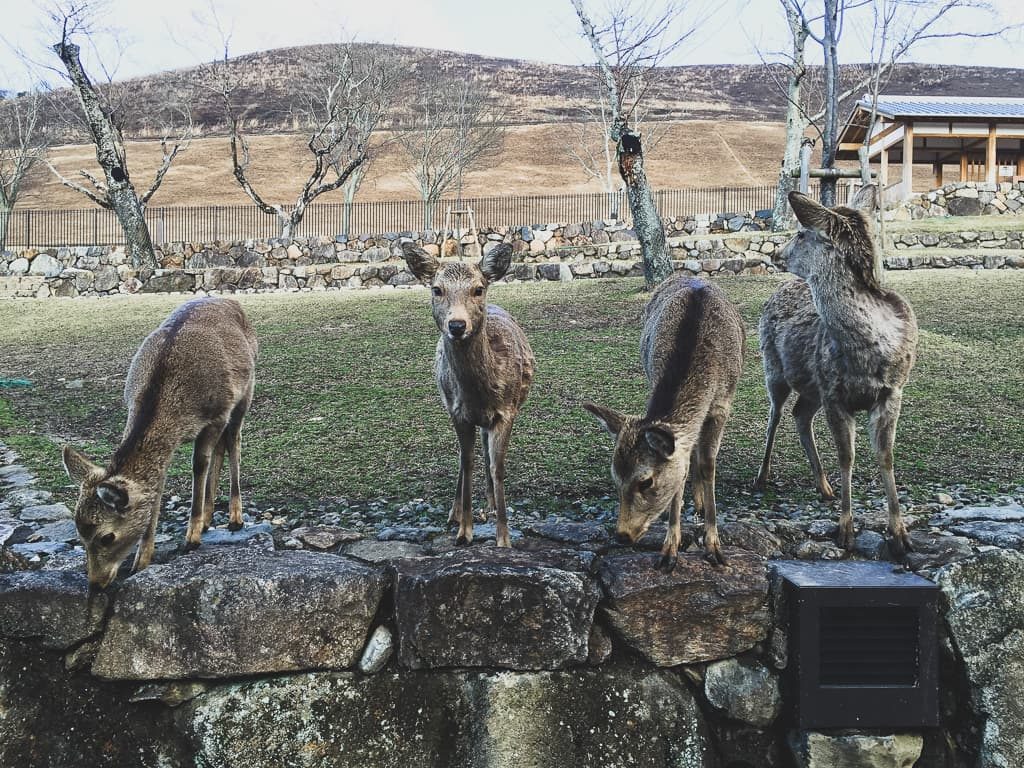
908,161
991,168
937,170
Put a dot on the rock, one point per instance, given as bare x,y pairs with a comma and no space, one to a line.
965,206
62,530
236,611
820,750
33,549
45,266
599,646
752,537
170,694
570,533
932,550
985,616
746,691
377,652
870,545
14,532
175,281
944,499
1012,513
257,535
54,608
324,537
371,551
105,278
578,718
413,533
699,612
491,607
997,534
19,266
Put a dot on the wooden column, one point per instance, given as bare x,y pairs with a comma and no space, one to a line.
990,156
937,171
908,161
963,162
883,170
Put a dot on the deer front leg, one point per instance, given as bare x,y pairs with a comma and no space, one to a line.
670,549
144,554
498,437
883,438
233,438
491,507
467,444
202,451
707,460
212,481
843,426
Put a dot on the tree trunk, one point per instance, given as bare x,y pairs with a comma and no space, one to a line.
831,128
796,123
5,216
119,192
646,220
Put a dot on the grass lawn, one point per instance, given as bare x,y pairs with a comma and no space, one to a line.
346,404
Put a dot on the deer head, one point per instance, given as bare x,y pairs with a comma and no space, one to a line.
646,469
833,237
459,289
111,515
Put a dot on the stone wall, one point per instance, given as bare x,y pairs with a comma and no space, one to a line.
969,198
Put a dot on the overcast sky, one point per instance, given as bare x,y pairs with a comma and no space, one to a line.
163,36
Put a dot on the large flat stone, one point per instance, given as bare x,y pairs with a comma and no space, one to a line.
699,612
239,611
812,749
998,534
579,718
1011,513
490,607
54,608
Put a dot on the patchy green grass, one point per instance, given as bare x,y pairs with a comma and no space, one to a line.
346,403
960,224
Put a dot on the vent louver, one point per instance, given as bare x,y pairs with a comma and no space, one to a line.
869,646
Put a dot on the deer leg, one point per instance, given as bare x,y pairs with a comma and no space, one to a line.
883,437
670,549
144,554
233,439
803,413
696,489
707,451
778,391
498,436
843,426
467,443
455,516
483,516
213,480
202,450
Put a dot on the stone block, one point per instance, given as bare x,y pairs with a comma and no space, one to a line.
54,608
812,749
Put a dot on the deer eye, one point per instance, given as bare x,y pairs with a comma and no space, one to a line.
107,539
478,292
645,485
436,291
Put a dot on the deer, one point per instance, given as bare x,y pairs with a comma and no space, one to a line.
191,379
843,343
484,367
691,348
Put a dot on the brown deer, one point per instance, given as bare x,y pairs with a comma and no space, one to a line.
484,368
842,343
692,352
191,379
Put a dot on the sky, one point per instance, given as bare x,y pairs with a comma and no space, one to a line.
159,36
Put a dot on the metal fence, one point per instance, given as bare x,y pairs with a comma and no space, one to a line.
96,226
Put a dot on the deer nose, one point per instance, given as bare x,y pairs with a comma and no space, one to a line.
456,328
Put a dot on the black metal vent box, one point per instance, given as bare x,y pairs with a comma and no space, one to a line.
863,647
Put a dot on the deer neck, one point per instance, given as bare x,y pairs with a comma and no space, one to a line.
471,358
147,457
847,310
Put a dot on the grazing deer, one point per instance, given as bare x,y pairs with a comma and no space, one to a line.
484,370
192,379
692,353
842,343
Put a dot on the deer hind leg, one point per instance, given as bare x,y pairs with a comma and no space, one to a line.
202,451
213,479
498,437
778,391
464,487
670,549
233,441
883,437
491,507
709,442
843,430
803,413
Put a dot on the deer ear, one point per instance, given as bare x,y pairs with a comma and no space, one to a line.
811,213
660,439
113,496
495,264
610,419
866,199
78,467
422,264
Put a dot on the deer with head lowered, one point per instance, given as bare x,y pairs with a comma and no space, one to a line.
843,343
484,368
191,379
692,352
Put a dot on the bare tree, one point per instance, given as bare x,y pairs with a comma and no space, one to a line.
588,143
455,127
341,100
629,41
23,143
105,123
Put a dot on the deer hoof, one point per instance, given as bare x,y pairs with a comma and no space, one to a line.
191,546
481,516
233,526
899,545
714,556
845,537
462,541
759,484
667,564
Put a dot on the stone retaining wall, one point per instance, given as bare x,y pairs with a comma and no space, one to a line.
969,198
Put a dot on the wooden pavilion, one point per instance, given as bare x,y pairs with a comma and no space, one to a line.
983,137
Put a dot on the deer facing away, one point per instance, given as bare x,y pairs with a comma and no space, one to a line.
842,343
692,352
191,379
484,368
